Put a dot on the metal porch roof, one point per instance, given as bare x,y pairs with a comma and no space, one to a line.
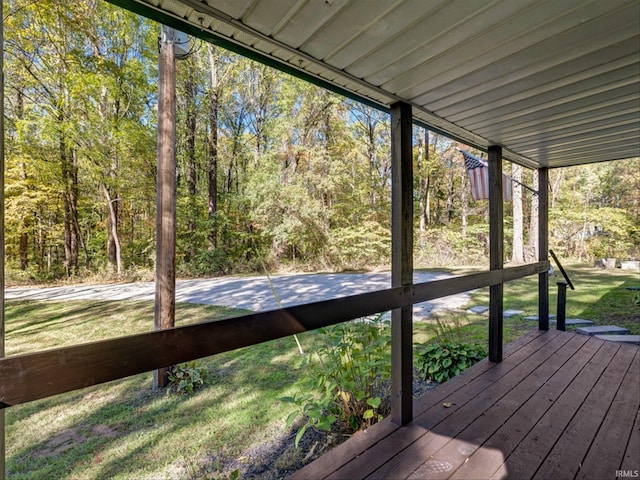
555,82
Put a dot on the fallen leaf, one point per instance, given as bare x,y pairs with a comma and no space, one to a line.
447,404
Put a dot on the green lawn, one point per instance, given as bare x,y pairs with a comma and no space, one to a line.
599,295
126,430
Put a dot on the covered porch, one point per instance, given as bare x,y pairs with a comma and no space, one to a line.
559,405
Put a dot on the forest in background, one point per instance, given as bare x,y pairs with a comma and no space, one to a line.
270,168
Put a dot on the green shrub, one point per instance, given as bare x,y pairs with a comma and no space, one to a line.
347,385
186,378
441,361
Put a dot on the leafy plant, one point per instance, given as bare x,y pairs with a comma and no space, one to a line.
348,379
441,361
234,475
186,378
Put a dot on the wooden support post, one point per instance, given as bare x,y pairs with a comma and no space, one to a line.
543,247
496,251
401,262
562,306
166,195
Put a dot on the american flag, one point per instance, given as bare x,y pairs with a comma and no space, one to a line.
479,176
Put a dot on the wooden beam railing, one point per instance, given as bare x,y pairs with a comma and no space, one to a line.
32,376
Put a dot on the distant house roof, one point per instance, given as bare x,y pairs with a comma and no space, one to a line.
556,83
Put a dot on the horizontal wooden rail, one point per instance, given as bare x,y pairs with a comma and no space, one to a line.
32,376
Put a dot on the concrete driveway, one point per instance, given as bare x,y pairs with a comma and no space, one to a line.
250,292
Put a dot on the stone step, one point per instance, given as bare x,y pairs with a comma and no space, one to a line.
574,322
602,330
633,339
480,309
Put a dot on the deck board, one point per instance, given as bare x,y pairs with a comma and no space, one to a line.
459,450
533,449
470,408
510,433
419,443
631,459
556,404
569,452
338,459
612,437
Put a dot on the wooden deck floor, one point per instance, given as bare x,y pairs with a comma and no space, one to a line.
559,406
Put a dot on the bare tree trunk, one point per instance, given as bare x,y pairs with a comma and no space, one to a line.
424,181
450,197
371,159
555,184
212,142
69,172
82,243
517,254
191,125
40,245
112,224
533,221
464,199
24,231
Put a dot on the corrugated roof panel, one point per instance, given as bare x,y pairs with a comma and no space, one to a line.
355,19
308,19
222,29
495,105
522,129
545,96
177,7
541,57
448,35
233,8
492,47
554,82
565,136
612,149
266,17
365,46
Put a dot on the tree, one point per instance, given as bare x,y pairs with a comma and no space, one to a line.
533,220
517,253
212,145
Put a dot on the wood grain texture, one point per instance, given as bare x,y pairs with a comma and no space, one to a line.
496,252
559,405
401,261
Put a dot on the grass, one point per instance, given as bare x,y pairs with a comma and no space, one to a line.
126,430
600,295
33,326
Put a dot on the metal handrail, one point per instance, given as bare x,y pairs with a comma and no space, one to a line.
564,274
562,296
